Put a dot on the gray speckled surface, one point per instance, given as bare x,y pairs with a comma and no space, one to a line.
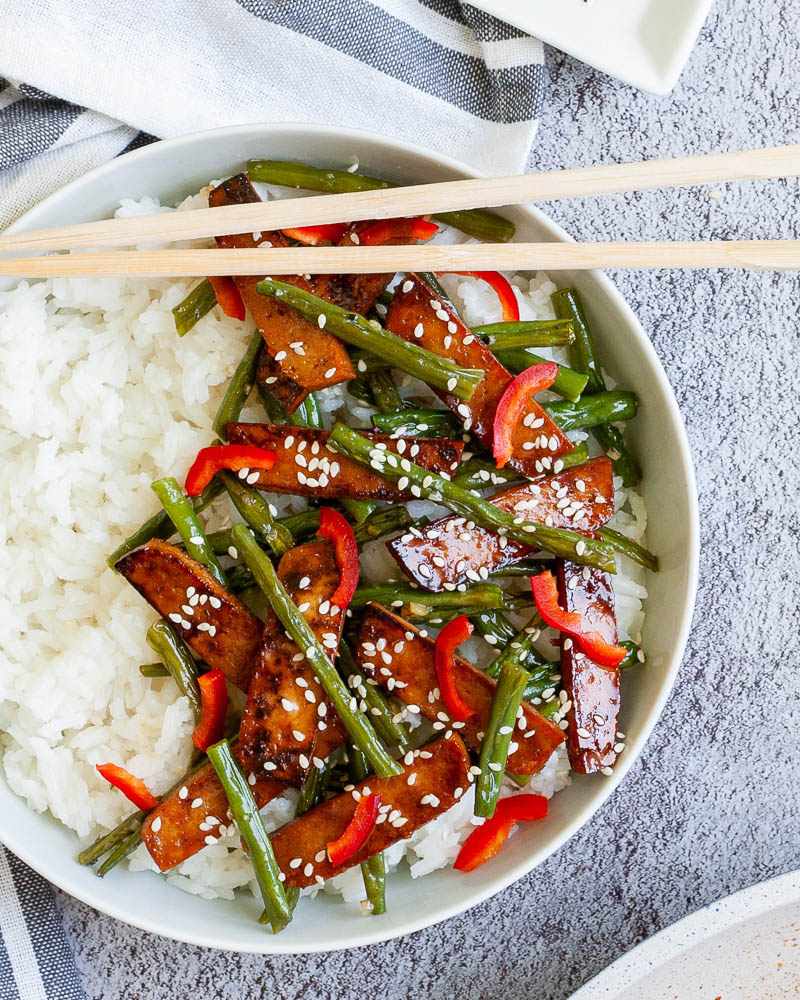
712,805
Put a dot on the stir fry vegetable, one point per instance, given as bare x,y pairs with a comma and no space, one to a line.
485,841
507,701
478,223
559,541
451,636
358,726
367,334
251,826
583,356
132,788
177,661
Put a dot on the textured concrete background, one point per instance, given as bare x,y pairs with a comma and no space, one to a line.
712,804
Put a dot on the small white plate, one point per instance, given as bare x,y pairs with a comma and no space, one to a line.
745,946
643,42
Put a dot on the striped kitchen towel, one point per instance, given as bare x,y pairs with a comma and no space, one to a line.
81,82
440,73
35,960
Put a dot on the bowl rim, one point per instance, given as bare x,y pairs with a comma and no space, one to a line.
60,876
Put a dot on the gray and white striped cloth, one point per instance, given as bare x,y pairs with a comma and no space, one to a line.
438,72
81,82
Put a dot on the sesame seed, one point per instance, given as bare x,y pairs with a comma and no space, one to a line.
308,871
330,372
583,733
196,803
322,319
155,826
295,862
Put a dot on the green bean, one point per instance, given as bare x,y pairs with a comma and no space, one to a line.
438,371
381,523
392,733
307,414
303,524
359,389
111,840
160,525
494,627
273,409
476,222
568,383
359,510
419,422
583,356
525,567
239,387
480,473
312,792
494,752
183,515
153,670
384,391
256,511
179,662
373,870
367,363
432,281
560,541
251,827
403,595
635,657
306,523
197,303
521,649
358,726
528,333
603,407
633,550
120,852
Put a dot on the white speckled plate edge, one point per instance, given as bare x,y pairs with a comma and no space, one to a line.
726,922
645,43
175,167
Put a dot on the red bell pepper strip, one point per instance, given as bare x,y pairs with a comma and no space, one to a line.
228,297
504,289
358,829
337,530
395,229
312,236
486,840
210,461
452,635
512,404
213,709
132,788
545,594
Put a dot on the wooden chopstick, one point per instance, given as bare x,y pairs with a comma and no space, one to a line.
767,254
419,199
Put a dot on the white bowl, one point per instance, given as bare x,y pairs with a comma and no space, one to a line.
178,167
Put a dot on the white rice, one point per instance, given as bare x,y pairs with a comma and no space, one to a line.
99,397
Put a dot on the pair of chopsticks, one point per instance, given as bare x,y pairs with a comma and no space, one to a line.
420,199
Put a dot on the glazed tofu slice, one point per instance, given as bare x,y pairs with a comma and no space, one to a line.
453,550
306,466
286,707
215,624
593,691
397,656
419,317
441,776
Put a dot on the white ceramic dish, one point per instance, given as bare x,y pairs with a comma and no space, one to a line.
177,167
643,42
744,946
